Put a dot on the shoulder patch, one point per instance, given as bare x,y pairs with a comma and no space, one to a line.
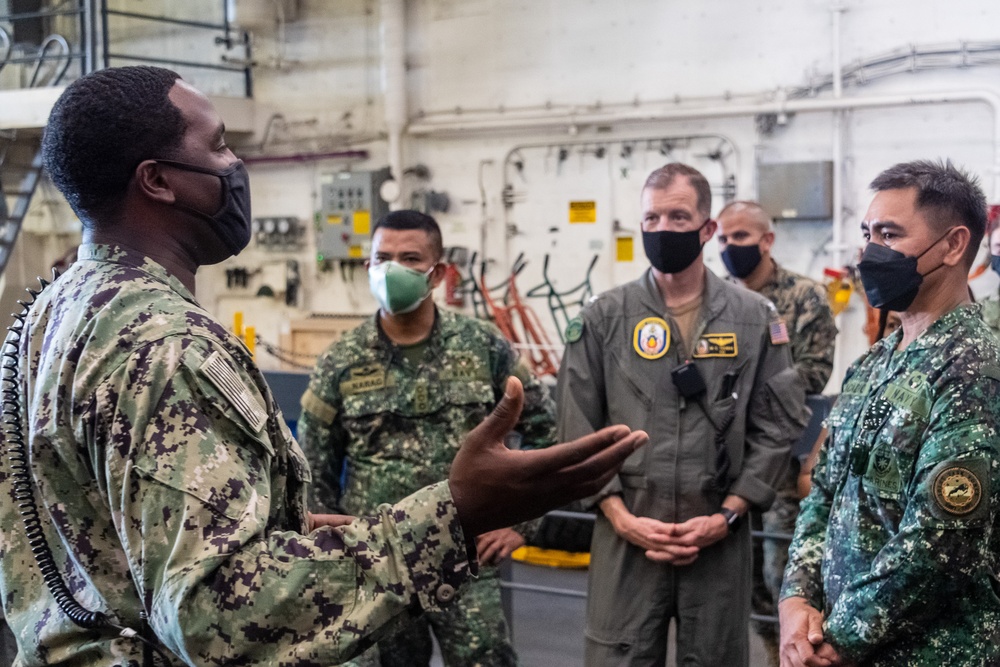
317,407
779,332
229,384
957,489
574,330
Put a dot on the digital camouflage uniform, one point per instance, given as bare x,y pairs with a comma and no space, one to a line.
897,543
991,314
803,305
399,424
167,482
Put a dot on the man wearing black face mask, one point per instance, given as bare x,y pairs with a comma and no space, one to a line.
169,490
694,360
746,235
894,560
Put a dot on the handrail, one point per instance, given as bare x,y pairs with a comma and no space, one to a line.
43,56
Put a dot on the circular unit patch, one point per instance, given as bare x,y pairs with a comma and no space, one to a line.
574,330
957,490
651,338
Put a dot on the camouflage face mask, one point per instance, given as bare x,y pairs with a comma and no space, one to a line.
399,289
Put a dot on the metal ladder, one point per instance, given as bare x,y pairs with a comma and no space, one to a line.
20,171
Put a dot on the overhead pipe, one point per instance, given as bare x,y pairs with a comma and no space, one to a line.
393,23
642,114
306,157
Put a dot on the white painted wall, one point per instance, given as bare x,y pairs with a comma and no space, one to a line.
498,59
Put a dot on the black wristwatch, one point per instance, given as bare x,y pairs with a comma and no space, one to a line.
733,519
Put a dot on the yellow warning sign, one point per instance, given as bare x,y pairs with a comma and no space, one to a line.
362,222
334,220
582,212
624,249
354,252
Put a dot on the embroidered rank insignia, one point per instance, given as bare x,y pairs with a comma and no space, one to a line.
574,330
779,332
651,338
957,490
715,345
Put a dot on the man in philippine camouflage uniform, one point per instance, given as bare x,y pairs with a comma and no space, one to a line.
394,398
166,483
746,235
894,560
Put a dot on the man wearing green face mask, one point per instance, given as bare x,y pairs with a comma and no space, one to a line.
393,398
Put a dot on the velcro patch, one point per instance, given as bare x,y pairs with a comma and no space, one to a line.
957,490
229,384
715,345
317,407
369,377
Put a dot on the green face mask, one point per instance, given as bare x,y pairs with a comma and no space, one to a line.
399,289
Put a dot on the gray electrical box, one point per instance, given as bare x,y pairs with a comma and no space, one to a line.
796,190
349,205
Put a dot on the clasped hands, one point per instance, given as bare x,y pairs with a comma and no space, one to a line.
673,543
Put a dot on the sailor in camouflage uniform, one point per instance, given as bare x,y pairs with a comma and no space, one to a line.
165,479
394,398
895,556
991,304
746,235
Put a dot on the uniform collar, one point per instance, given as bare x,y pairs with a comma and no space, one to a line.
943,328
713,297
119,254
376,339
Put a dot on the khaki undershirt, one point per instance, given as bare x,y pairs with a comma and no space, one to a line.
686,316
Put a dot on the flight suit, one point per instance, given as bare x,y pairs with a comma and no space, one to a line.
898,542
399,424
618,371
168,484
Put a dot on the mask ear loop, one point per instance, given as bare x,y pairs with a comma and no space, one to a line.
883,320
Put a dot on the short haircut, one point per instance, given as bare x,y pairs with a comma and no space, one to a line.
752,206
101,128
403,220
947,195
663,178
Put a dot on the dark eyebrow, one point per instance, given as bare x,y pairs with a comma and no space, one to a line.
886,225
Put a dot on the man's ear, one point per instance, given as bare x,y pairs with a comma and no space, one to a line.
151,181
766,241
711,226
958,241
437,275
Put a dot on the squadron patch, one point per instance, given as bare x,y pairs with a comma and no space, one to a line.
957,490
715,345
574,330
651,338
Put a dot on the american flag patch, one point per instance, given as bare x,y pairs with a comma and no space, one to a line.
779,332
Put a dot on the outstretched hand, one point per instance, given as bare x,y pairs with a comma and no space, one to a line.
495,487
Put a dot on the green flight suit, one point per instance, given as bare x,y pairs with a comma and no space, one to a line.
612,375
168,483
398,422
898,542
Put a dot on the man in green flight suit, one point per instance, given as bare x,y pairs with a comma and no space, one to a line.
697,362
394,398
165,483
896,548
746,235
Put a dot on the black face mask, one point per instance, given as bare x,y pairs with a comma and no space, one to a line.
995,263
672,252
741,260
231,223
890,278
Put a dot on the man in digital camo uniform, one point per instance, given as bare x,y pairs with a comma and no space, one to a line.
394,398
896,548
165,480
692,359
745,237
